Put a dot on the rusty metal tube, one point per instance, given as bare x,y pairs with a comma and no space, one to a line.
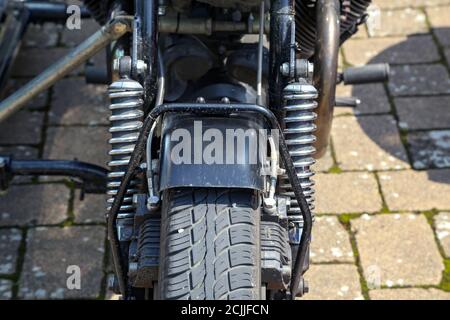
325,68
87,49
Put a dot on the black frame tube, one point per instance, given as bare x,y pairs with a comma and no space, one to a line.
282,22
147,14
210,109
325,68
93,176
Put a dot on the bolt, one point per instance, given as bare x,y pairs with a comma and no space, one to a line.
305,286
141,66
225,100
284,69
162,10
310,68
132,267
116,65
119,28
201,100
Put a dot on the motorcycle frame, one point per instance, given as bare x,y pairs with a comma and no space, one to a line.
282,40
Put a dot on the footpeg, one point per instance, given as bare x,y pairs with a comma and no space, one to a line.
347,102
372,73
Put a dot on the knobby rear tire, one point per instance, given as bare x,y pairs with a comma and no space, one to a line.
210,245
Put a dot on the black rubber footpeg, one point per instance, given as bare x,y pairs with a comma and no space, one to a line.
372,73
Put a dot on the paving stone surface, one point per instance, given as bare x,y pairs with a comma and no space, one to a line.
56,256
74,143
447,55
409,294
23,127
442,225
34,204
330,241
368,143
430,149
425,190
9,248
350,192
393,50
389,4
391,253
398,22
91,209
20,152
418,80
5,289
76,103
325,162
440,23
423,112
333,282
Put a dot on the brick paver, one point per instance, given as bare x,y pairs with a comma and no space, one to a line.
389,4
440,23
333,282
330,242
368,143
70,121
9,245
419,80
393,50
401,247
325,162
76,103
442,225
91,209
430,149
52,252
23,127
347,193
5,289
409,294
423,112
34,204
399,22
416,190
75,143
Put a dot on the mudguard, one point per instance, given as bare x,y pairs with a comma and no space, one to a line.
213,151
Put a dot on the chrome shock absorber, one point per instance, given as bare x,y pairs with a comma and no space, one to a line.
300,102
126,120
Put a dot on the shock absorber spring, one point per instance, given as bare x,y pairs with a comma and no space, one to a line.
126,120
300,102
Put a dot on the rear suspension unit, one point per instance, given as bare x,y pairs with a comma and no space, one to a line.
300,101
126,106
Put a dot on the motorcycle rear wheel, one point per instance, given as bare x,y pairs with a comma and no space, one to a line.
210,245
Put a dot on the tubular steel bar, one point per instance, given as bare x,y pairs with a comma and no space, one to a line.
113,30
